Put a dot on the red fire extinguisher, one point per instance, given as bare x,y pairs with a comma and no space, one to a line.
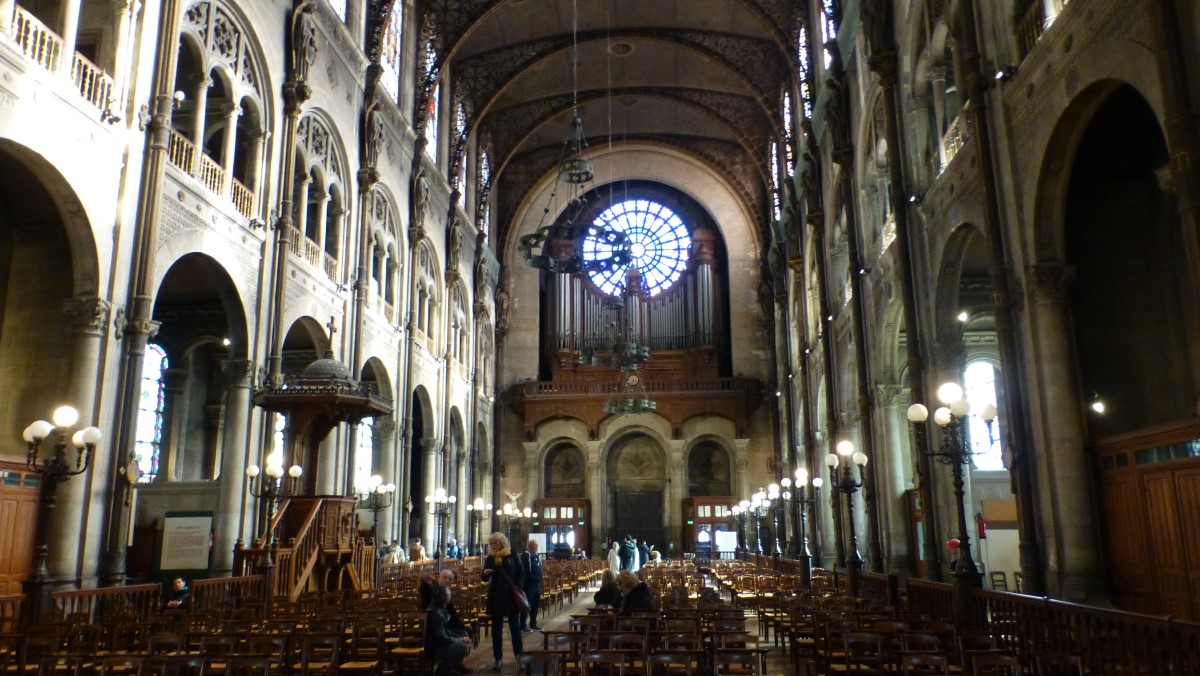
980,526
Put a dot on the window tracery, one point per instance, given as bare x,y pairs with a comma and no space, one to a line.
660,244
151,404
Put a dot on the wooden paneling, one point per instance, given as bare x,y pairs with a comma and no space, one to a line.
1187,493
1166,547
1128,557
18,519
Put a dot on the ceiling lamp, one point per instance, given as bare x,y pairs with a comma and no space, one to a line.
630,397
558,246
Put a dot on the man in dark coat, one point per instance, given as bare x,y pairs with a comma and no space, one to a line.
643,552
626,553
531,569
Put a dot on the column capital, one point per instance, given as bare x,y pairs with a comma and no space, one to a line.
200,80
888,393
384,426
88,316
1048,282
239,372
232,110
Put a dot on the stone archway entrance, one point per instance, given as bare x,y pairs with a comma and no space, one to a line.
637,480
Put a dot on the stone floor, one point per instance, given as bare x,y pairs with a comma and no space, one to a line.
480,659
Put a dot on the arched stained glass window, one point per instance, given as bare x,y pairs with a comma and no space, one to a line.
659,239
147,446
390,54
803,74
980,389
776,203
787,135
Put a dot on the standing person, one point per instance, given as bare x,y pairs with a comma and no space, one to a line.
614,559
446,645
643,553
393,555
503,574
628,551
531,569
416,552
453,551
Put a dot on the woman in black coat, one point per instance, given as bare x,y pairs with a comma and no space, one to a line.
442,641
609,593
635,595
502,573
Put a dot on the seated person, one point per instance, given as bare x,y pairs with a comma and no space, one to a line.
443,645
609,593
635,595
180,594
445,580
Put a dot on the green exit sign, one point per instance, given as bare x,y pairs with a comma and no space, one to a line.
691,523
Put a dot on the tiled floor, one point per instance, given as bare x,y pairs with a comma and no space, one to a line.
480,659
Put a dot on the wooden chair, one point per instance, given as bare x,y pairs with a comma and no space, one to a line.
675,663
119,665
219,644
737,662
540,663
1059,665
864,652
174,665
246,665
59,665
995,664
319,654
611,663
999,580
925,664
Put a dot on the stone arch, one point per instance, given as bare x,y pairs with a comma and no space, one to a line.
636,468
710,467
564,470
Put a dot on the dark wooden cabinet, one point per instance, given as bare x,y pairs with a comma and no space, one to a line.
564,521
703,518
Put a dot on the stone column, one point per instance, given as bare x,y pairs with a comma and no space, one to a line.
200,84
228,524
596,496
302,211
433,460
322,199
741,461
232,112
676,490
254,164
327,464
893,475
383,438
937,83
6,15
88,318
1073,556
460,524
117,52
70,35
175,400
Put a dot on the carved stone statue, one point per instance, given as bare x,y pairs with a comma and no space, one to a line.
304,43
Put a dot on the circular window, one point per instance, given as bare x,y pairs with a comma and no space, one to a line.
659,242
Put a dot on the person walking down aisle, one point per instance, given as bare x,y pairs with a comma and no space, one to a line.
531,569
614,559
502,572
628,553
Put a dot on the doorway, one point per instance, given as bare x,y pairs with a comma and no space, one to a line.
639,513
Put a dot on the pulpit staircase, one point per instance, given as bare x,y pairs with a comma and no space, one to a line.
317,548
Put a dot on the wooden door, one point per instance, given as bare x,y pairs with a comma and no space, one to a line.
18,520
639,514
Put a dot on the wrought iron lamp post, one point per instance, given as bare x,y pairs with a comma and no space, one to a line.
841,480
759,507
800,503
376,496
512,518
440,507
955,450
739,514
477,511
775,504
52,470
272,490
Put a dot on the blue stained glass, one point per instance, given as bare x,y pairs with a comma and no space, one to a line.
659,239
147,447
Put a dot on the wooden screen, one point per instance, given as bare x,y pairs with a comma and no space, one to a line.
18,520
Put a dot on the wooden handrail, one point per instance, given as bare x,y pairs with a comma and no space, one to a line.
134,603
226,592
10,612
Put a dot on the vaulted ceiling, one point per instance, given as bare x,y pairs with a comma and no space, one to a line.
700,76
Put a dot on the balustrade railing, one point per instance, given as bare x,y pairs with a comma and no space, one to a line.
94,85
243,198
211,173
221,593
181,152
954,138
36,40
312,252
331,267
543,388
10,612
1030,27
134,603
934,598
389,311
